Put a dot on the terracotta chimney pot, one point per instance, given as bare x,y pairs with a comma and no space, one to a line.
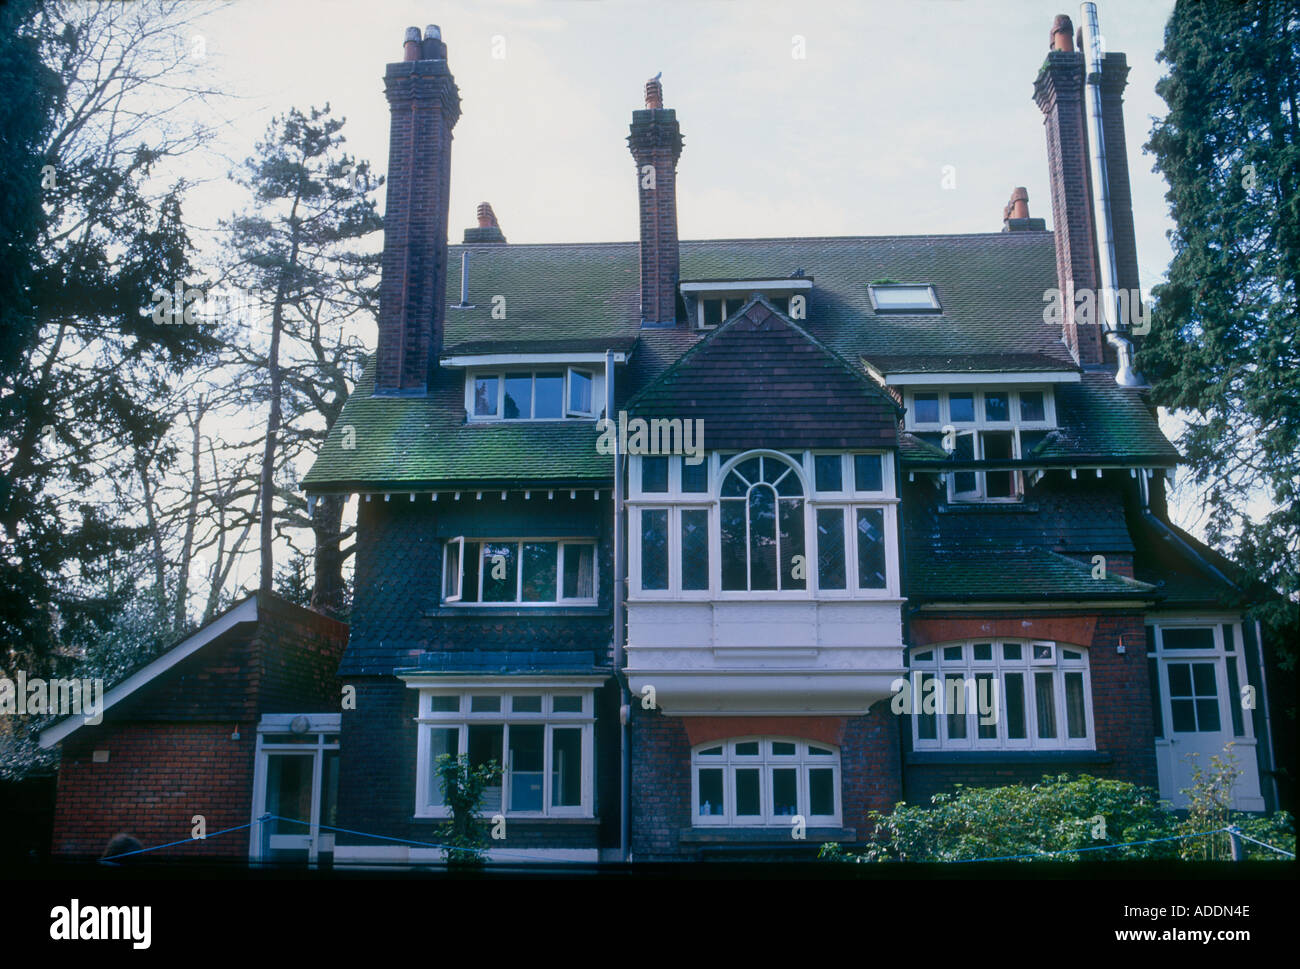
1062,35
654,93
411,46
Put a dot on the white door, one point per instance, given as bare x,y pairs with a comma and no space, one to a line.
295,788
1201,709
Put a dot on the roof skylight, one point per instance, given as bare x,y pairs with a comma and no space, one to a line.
903,298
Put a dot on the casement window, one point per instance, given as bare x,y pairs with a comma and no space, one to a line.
794,525
536,395
519,571
542,738
1000,694
982,425
765,781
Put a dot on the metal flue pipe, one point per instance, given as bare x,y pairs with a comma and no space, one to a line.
1125,375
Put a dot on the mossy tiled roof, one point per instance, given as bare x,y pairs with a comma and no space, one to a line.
1009,574
585,298
408,441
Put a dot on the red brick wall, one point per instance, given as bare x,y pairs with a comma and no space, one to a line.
1058,92
171,755
870,768
158,776
656,141
425,105
1121,704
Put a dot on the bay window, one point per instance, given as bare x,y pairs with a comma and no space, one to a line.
792,524
1000,695
764,781
541,738
519,571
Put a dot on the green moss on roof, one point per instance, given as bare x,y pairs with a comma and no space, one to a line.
586,298
1009,574
412,441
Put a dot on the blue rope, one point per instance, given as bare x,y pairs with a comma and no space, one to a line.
364,834
421,844
186,841
1070,851
1263,844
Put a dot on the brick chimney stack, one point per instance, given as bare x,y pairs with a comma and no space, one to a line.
424,104
488,232
1058,91
656,144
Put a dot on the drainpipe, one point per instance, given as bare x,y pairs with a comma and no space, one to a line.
1125,375
1268,719
624,702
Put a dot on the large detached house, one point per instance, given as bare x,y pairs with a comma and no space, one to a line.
717,545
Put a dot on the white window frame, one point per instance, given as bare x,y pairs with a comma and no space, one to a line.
933,306
459,543
456,545
463,718
968,668
674,501
501,373
1219,654
802,761
979,427
320,728
590,374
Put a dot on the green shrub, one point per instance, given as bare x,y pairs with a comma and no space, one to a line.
1059,817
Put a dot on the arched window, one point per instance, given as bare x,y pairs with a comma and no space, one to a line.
765,780
761,524
1000,694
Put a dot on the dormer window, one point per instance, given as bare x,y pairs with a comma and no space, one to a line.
982,424
712,302
903,298
547,394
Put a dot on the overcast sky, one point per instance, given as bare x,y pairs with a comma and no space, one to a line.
851,139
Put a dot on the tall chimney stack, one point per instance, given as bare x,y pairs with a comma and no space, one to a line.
656,144
424,104
1058,91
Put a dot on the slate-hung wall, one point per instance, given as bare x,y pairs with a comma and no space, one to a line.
398,618
762,380
398,614
1079,518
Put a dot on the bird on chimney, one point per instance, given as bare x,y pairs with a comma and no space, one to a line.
657,76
